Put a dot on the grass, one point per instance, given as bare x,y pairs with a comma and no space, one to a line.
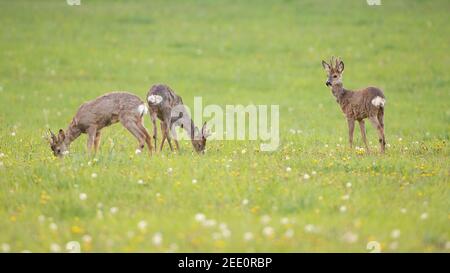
54,57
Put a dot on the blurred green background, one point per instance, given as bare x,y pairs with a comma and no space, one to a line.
54,56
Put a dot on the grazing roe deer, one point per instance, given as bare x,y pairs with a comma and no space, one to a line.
92,116
168,107
357,105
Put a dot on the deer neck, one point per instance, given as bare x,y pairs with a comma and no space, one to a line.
340,93
72,133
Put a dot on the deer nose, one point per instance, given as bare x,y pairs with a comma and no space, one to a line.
328,83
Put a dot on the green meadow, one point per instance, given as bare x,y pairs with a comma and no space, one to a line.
313,194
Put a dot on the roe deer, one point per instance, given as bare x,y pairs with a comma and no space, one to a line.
357,105
92,116
168,107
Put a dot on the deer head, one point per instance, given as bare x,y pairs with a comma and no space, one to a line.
199,138
57,143
334,71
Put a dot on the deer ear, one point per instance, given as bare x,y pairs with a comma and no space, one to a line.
52,138
326,66
61,135
341,67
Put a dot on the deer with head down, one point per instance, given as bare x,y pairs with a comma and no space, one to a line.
99,113
357,105
168,107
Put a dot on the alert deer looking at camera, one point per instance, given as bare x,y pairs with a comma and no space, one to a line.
357,105
168,107
101,112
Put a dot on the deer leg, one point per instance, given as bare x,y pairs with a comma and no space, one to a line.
377,125
168,136
91,132
175,138
155,129
163,131
362,126
134,130
351,128
97,141
146,135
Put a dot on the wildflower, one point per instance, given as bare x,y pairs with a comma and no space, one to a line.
424,216
226,233
245,202
209,223
13,134
200,217
94,175
306,176
137,151
265,219
243,151
53,227
83,196
268,231
288,169
140,182
346,197
76,229
395,233
313,172
350,237
403,210
142,225
194,181
2,155
310,228
169,170
348,185
113,210
6,248
73,247
343,209
157,239
86,239
248,236
289,233
284,220
41,218
55,248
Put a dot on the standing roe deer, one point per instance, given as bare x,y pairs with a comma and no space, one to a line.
357,105
168,107
92,116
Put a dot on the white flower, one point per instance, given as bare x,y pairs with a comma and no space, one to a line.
284,220
55,248
343,209
346,197
400,139
140,182
310,228
289,233
245,202
13,133
209,223
142,225
169,170
157,239
194,181
268,231
306,176
248,236
424,216
2,155
87,238
395,233
94,175
6,248
137,151
265,219
403,210
350,237
41,218
53,227
348,185
73,247
226,233
288,169
200,217
243,151
313,172
113,210
83,196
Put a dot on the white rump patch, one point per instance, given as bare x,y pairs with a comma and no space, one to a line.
378,101
155,99
142,109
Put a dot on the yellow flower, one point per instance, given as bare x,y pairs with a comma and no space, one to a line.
76,230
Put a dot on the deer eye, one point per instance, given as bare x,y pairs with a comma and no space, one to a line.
334,76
